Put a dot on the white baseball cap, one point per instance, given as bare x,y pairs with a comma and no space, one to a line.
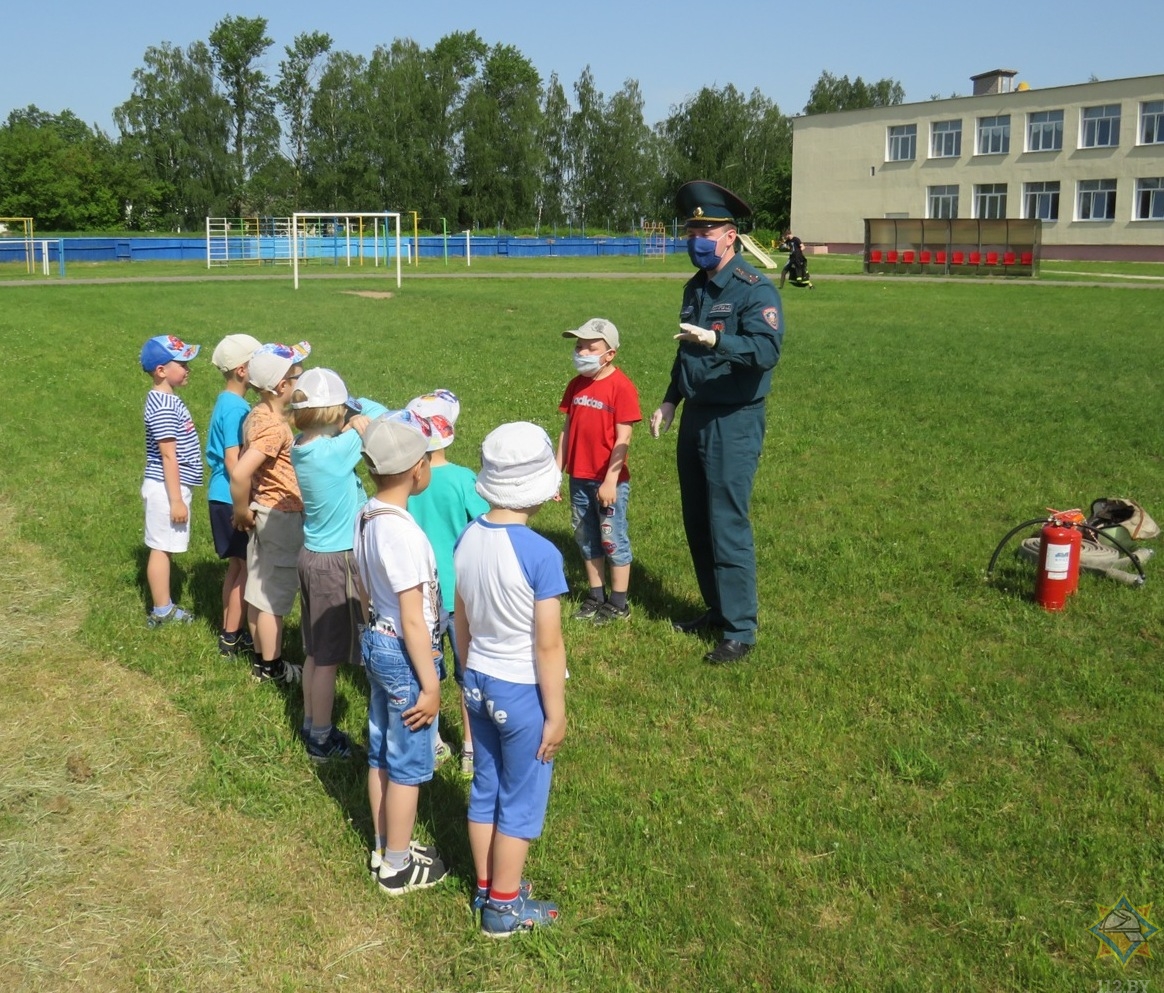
323,388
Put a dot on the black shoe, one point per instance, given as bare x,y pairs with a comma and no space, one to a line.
727,651
701,623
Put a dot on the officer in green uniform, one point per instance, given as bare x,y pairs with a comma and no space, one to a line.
731,328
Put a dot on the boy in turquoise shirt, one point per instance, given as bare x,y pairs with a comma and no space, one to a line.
449,503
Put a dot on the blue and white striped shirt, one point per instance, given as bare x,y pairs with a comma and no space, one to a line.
166,417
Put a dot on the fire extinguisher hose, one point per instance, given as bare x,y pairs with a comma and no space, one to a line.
1010,534
1088,529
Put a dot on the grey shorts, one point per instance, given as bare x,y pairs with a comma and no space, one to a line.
273,560
330,607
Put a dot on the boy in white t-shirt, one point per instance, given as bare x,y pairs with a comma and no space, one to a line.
509,625
400,645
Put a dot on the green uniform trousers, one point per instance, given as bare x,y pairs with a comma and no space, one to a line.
717,453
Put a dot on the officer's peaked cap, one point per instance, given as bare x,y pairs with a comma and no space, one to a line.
704,202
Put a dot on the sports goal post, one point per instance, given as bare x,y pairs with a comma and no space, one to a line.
300,238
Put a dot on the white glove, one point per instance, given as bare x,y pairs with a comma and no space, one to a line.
696,335
661,419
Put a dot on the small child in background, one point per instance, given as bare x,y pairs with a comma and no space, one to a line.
267,503
173,466
509,625
401,648
223,441
325,457
444,508
601,406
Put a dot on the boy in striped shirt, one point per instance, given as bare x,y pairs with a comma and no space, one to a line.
173,467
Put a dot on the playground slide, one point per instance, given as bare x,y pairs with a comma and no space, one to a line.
756,250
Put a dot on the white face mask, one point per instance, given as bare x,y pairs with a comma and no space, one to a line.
587,365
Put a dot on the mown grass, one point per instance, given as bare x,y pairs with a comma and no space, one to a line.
921,781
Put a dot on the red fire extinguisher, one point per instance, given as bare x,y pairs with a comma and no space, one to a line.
1059,545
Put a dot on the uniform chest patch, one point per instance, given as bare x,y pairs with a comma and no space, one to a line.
720,308
771,316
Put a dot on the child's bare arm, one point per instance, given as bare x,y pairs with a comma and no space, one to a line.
240,487
461,625
608,492
418,642
551,666
230,459
168,447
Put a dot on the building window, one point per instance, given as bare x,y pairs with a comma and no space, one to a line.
994,135
942,201
1101,127
1045,131
1150,199
902,143
945,139
1097,199
1041,200
1152,122
990,201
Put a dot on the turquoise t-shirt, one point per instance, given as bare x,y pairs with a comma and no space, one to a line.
225,431
443,510
333,494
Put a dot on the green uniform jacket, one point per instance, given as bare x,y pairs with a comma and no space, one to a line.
742,306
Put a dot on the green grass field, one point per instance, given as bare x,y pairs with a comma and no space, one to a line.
919,782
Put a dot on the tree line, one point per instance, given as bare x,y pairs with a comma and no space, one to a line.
463,132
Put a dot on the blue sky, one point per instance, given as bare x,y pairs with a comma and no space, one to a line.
80,54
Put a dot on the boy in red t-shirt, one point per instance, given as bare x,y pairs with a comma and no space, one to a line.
601,406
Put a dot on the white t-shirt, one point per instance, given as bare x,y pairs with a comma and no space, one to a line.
393,555
502,570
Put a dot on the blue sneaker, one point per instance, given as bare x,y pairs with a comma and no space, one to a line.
336,745
502,920
175,615
481,897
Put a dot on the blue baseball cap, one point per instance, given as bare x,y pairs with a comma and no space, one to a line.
166,348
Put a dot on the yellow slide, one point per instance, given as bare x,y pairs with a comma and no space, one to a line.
765,259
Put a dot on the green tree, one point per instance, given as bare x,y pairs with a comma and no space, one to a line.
554,141
831,94
585,146
338,125
236,46
175,128
500,163
298,77
626,157
60,172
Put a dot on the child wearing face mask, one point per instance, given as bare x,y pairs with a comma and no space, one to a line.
601,406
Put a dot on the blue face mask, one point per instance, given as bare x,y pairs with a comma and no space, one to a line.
587,365
702,252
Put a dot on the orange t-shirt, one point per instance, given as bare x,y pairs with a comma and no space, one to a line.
274,484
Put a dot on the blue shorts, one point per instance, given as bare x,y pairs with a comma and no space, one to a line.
511,788
601,532
407,755
228,543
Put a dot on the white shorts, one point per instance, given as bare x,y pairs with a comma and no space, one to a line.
160,532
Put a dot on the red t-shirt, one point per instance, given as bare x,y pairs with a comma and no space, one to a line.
595,407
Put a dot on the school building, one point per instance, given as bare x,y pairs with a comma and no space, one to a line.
1087,160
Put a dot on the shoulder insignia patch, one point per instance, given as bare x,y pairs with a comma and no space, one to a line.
771,317
748,277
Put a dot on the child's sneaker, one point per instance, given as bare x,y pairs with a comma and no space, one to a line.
336,745
481,897
420,872
175,615
502,920
277,672
442,753
232,644
609,612
467,763
589,609
376,857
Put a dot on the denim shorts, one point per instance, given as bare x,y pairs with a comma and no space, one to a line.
601,532
511,787
406,755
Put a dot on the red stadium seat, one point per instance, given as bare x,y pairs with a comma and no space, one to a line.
975,258
907,256
1027,258
940,258
875,256
992,258
891,256
924,258
1008,258
959,259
